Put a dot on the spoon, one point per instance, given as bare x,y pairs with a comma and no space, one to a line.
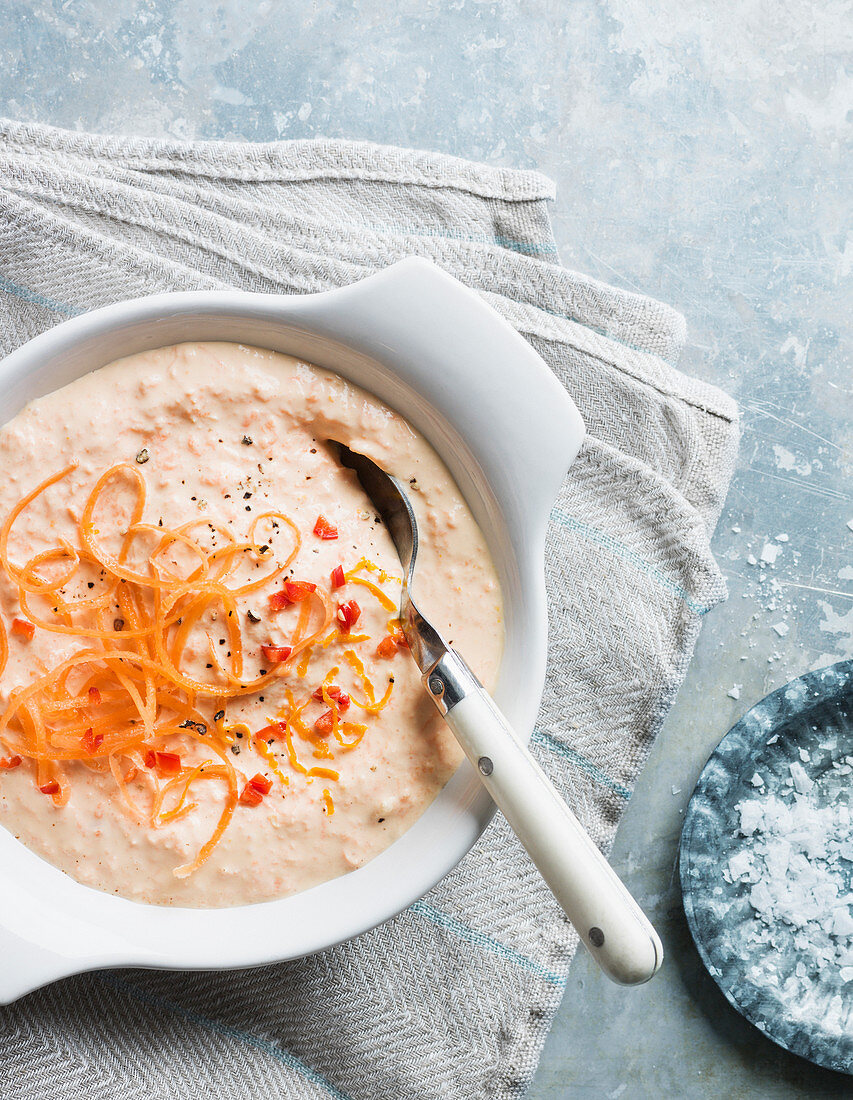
608,920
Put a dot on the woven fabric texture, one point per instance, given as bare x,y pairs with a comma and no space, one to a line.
454,997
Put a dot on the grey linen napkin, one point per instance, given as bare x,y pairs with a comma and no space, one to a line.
454,997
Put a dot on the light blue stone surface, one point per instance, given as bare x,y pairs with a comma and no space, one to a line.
702,154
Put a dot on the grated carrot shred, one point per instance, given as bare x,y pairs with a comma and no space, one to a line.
126,692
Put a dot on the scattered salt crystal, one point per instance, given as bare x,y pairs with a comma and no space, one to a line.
846,973
772,740
751,816
850,524
734,691
675,790
757,781
761,899
740,863
804,755
802,783
777,856
832,1016
842,921
769,553
781,629
736,530
752,560
781,538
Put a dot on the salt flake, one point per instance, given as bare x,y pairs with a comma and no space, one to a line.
801,781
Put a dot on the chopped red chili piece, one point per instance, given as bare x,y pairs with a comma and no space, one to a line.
293,592
338,578
251,796
348,614
387,647
9,762
276,654
325,530
51,787
297,591
91,741
131,774
94,697
23,629
395,640
149,758
261,783
168,763
340,697
325,724
269,733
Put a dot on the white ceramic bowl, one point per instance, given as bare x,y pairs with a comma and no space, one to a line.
508,432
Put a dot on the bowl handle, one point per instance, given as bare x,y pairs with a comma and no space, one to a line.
525,423
27,966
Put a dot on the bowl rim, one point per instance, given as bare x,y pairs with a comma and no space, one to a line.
508,445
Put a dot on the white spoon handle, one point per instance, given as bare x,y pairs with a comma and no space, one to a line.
605,916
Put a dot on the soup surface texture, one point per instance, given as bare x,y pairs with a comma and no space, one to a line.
207,700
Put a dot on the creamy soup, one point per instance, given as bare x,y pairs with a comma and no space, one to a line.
206,698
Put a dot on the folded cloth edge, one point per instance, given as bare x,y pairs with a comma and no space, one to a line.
333,158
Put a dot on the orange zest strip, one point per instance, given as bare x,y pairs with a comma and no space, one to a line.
386,601
372,567
323,773
352,730
266,752
357,665
373,707
291,751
